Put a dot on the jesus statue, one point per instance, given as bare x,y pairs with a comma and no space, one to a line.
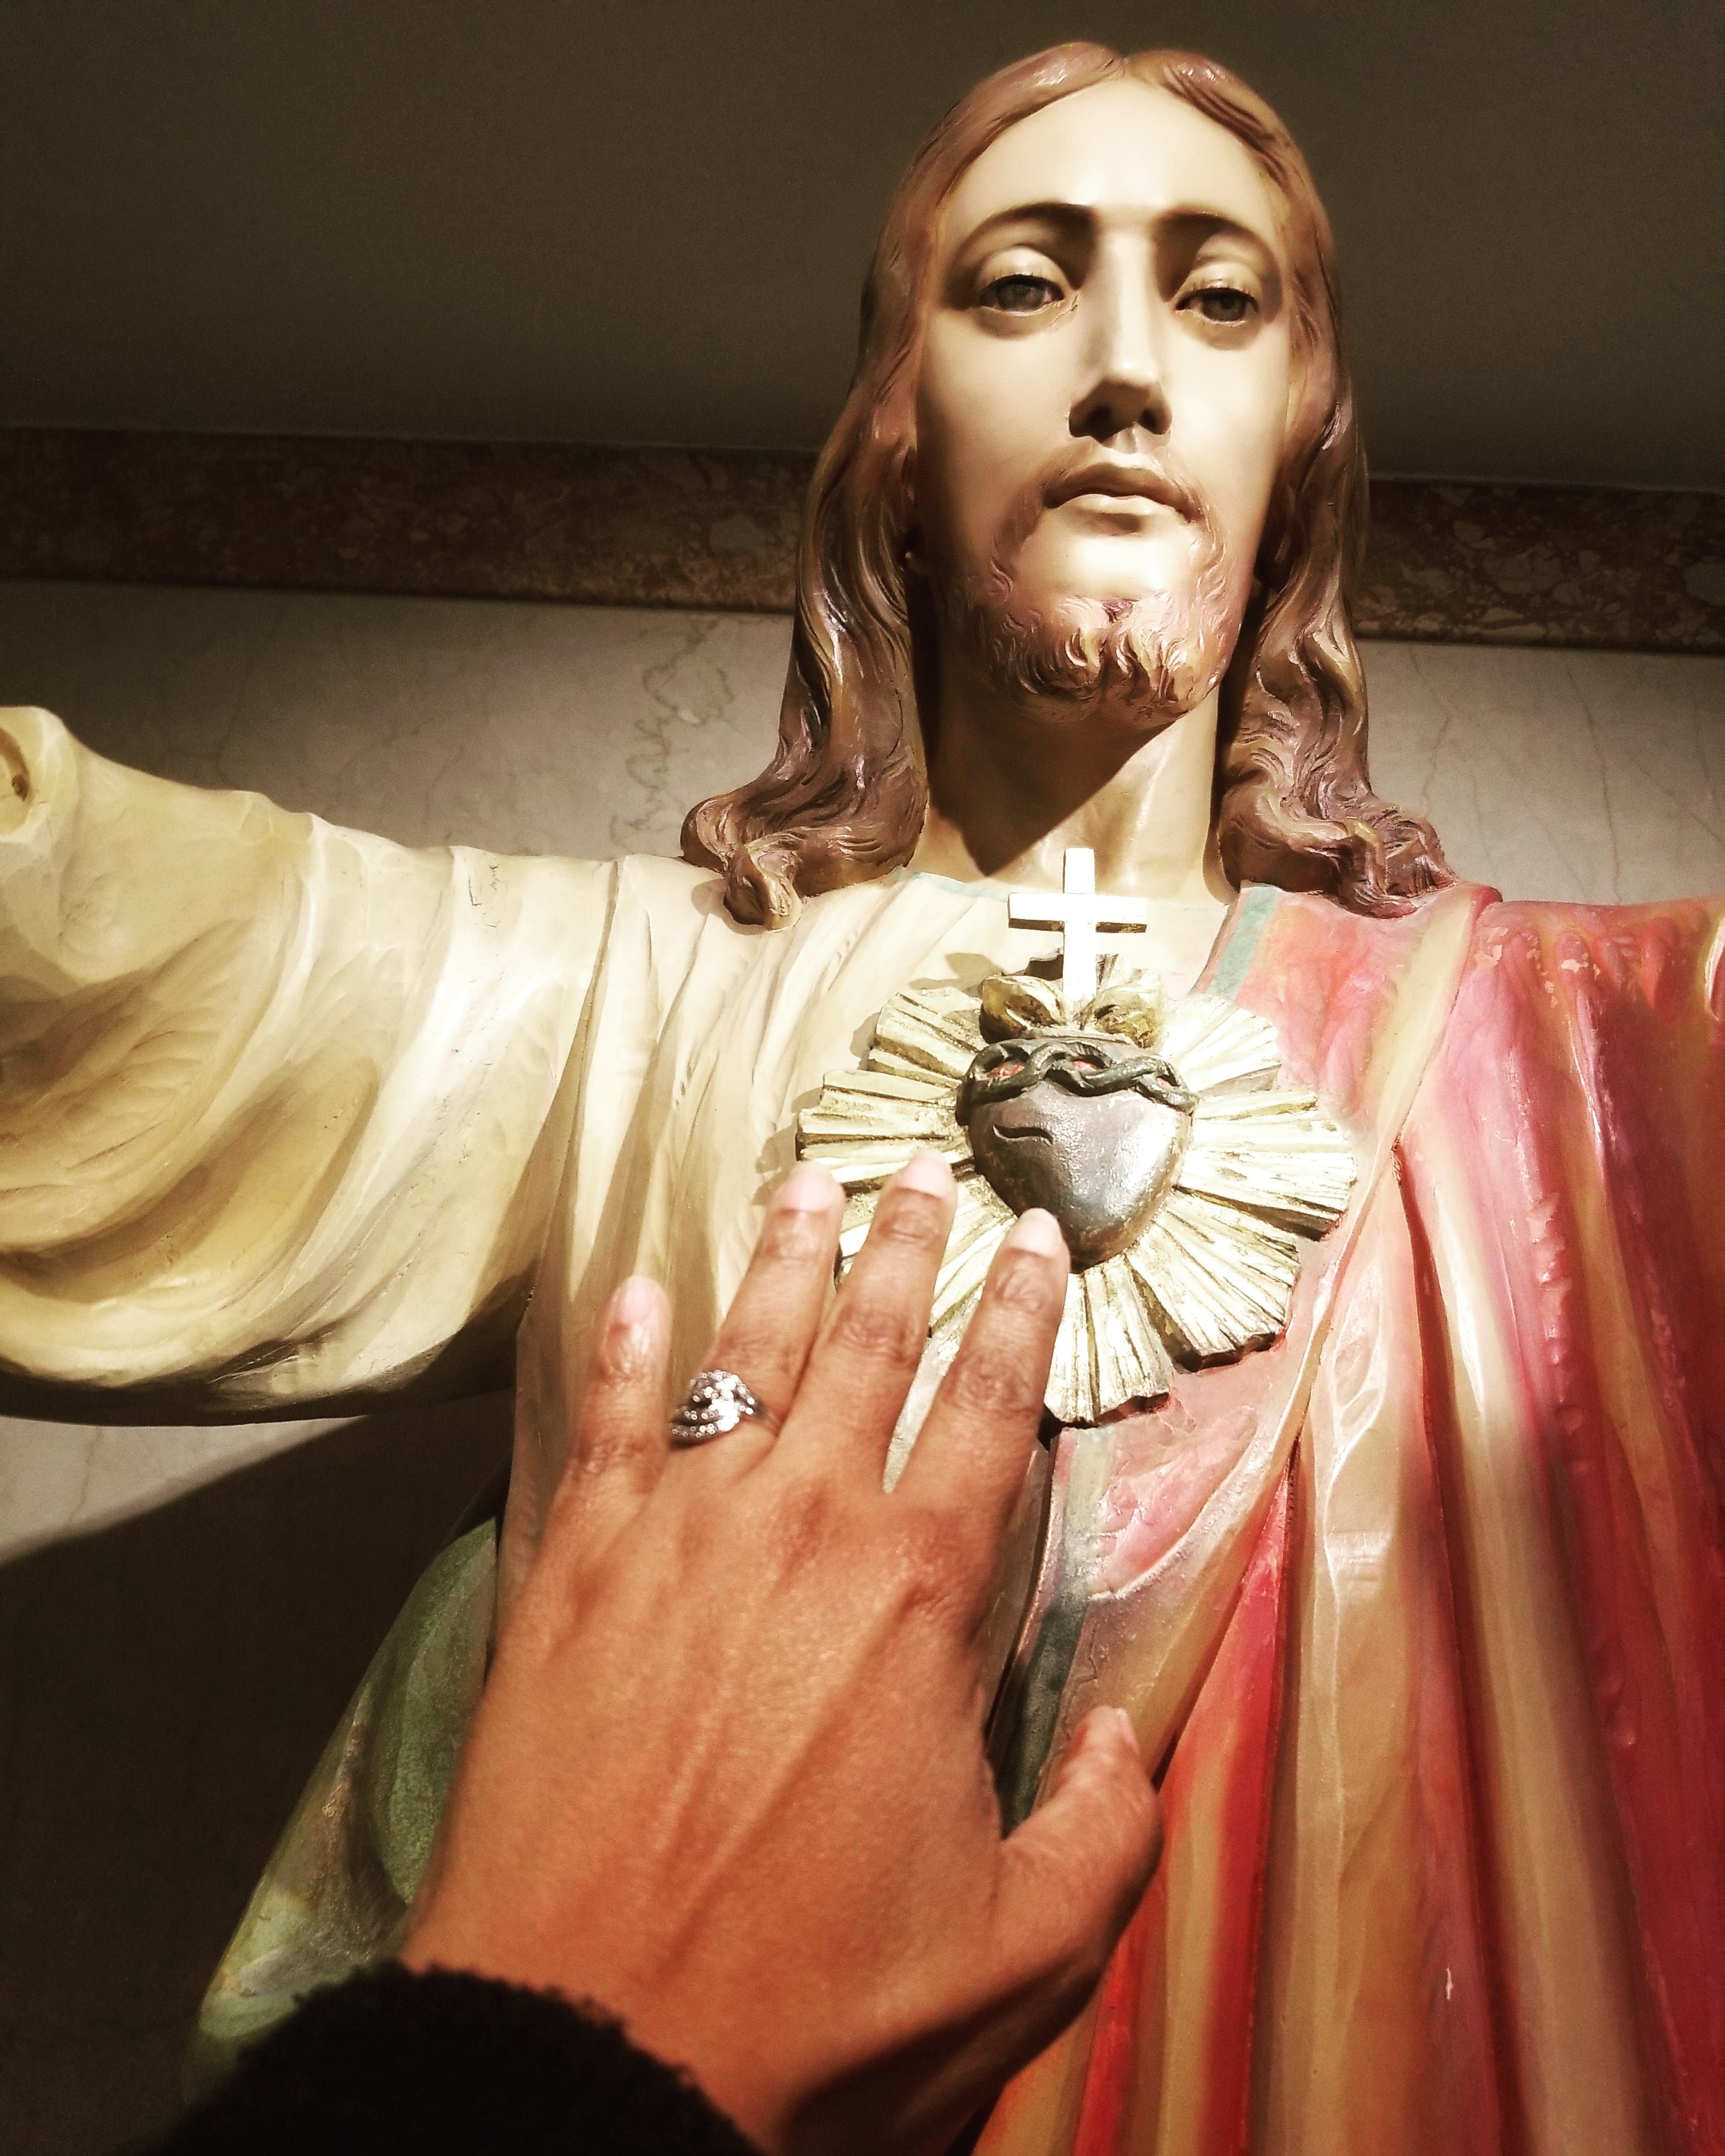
1385,1480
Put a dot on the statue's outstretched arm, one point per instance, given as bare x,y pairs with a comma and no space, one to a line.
277,1100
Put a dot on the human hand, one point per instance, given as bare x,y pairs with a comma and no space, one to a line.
727,1780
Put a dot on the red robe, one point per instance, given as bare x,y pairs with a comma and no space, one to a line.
1424,1607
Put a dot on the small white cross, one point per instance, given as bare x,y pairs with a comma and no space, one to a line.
1078,912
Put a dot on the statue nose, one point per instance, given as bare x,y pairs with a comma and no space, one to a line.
1125,390
1124,402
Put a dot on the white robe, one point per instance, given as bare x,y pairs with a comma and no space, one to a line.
293,1119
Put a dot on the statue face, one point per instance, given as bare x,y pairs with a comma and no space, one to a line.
1103,390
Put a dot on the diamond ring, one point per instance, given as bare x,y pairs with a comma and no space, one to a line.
714,1403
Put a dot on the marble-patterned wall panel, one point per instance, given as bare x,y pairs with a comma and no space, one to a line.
1593,776
521,727
69,1478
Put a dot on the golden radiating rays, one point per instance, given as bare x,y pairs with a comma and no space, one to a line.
1212,1275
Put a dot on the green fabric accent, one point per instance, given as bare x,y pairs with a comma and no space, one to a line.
1252,917
334,1895
966,887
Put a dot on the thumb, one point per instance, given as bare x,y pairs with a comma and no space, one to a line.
1074,1873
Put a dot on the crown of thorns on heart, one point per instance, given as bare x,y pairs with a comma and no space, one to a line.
1035,1038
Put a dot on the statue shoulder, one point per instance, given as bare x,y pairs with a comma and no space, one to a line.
1656,950
673,890
661,881
668,900
41,762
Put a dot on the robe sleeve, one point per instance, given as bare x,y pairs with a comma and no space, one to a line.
280,1118
1564,1164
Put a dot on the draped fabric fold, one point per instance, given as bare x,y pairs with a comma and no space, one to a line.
1468,1892
1566,1171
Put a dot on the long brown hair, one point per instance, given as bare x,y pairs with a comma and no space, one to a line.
844,796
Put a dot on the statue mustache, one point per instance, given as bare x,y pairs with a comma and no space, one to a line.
1162,651
1059,482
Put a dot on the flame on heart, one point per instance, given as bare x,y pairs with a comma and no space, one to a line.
1128,1007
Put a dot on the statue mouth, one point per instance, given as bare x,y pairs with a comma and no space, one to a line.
1124,483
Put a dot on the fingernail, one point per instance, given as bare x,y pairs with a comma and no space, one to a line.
1123,1726
805,1189
928,1173
1038,1231
634,1303
1101,1725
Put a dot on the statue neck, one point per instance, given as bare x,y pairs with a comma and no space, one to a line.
1010,789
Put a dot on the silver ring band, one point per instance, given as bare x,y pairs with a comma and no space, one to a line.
714,1403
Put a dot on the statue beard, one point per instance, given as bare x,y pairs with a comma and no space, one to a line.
1156,657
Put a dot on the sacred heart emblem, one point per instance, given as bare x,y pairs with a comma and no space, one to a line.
1185,1180
1090,1128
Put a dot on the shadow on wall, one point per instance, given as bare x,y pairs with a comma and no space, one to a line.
168,1685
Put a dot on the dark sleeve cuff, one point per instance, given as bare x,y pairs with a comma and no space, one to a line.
396,2060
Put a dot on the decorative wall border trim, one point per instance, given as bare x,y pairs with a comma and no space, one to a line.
1448,562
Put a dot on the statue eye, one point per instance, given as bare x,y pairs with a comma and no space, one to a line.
1224,305
1020,293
